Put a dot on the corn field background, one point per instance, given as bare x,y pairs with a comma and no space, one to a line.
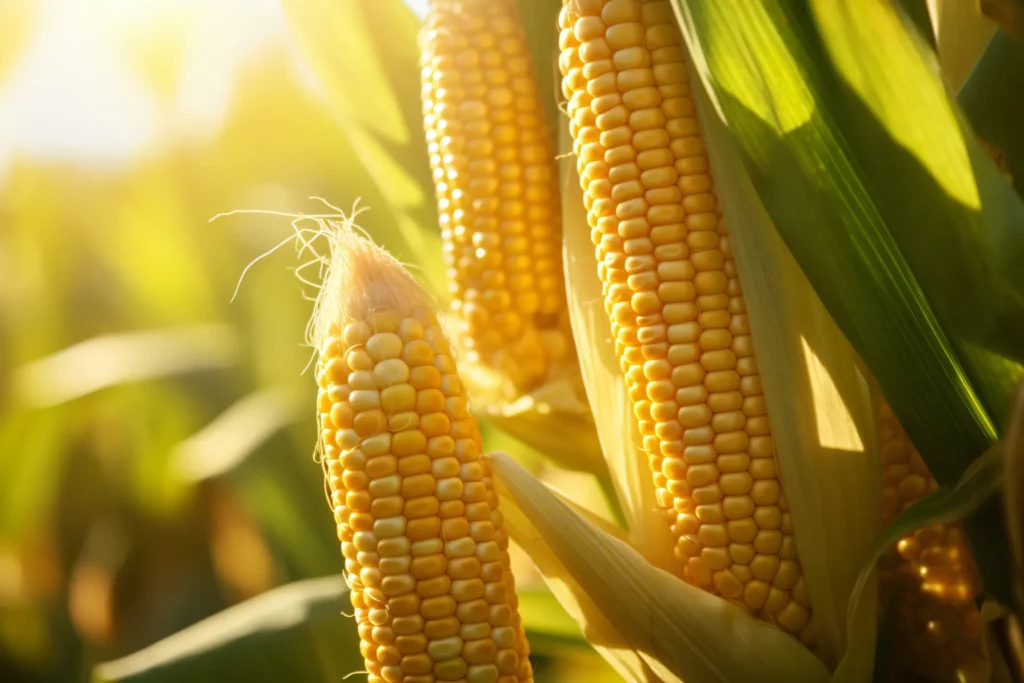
156,440
162,515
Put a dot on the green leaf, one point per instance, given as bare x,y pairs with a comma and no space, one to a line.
232,436
968,496
298,632
123,358
886,648
290,633
901,223
34,445
366,57
993,99
291,507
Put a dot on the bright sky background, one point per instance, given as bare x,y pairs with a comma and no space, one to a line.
73,96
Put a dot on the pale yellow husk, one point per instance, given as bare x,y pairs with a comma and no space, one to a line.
648,624
551,419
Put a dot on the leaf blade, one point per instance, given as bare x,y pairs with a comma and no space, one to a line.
852,203
365,56
298,632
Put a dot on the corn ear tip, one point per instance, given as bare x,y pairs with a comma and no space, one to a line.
361,277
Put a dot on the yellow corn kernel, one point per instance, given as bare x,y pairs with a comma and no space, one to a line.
494,170
929,575
425,545
676,306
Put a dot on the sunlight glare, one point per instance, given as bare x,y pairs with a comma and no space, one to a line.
73,95
836,427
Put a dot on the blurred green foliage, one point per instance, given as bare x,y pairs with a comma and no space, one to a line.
156,440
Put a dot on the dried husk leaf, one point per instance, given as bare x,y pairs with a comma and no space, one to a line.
553,418
649,624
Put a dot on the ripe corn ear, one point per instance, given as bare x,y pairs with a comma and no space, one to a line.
426,552
677,311
929,575
493,164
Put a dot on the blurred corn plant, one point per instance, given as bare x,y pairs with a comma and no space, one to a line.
156,466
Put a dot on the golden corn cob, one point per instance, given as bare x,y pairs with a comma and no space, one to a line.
929,575
677,310
424,543
493,166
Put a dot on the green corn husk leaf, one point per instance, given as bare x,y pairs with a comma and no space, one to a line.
650,625
971,494
901,222
993,99
366,57
822,408
885,652
602,376
822,111
298,633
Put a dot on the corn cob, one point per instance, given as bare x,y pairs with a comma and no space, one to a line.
426,552
929,574
677,311
497,194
